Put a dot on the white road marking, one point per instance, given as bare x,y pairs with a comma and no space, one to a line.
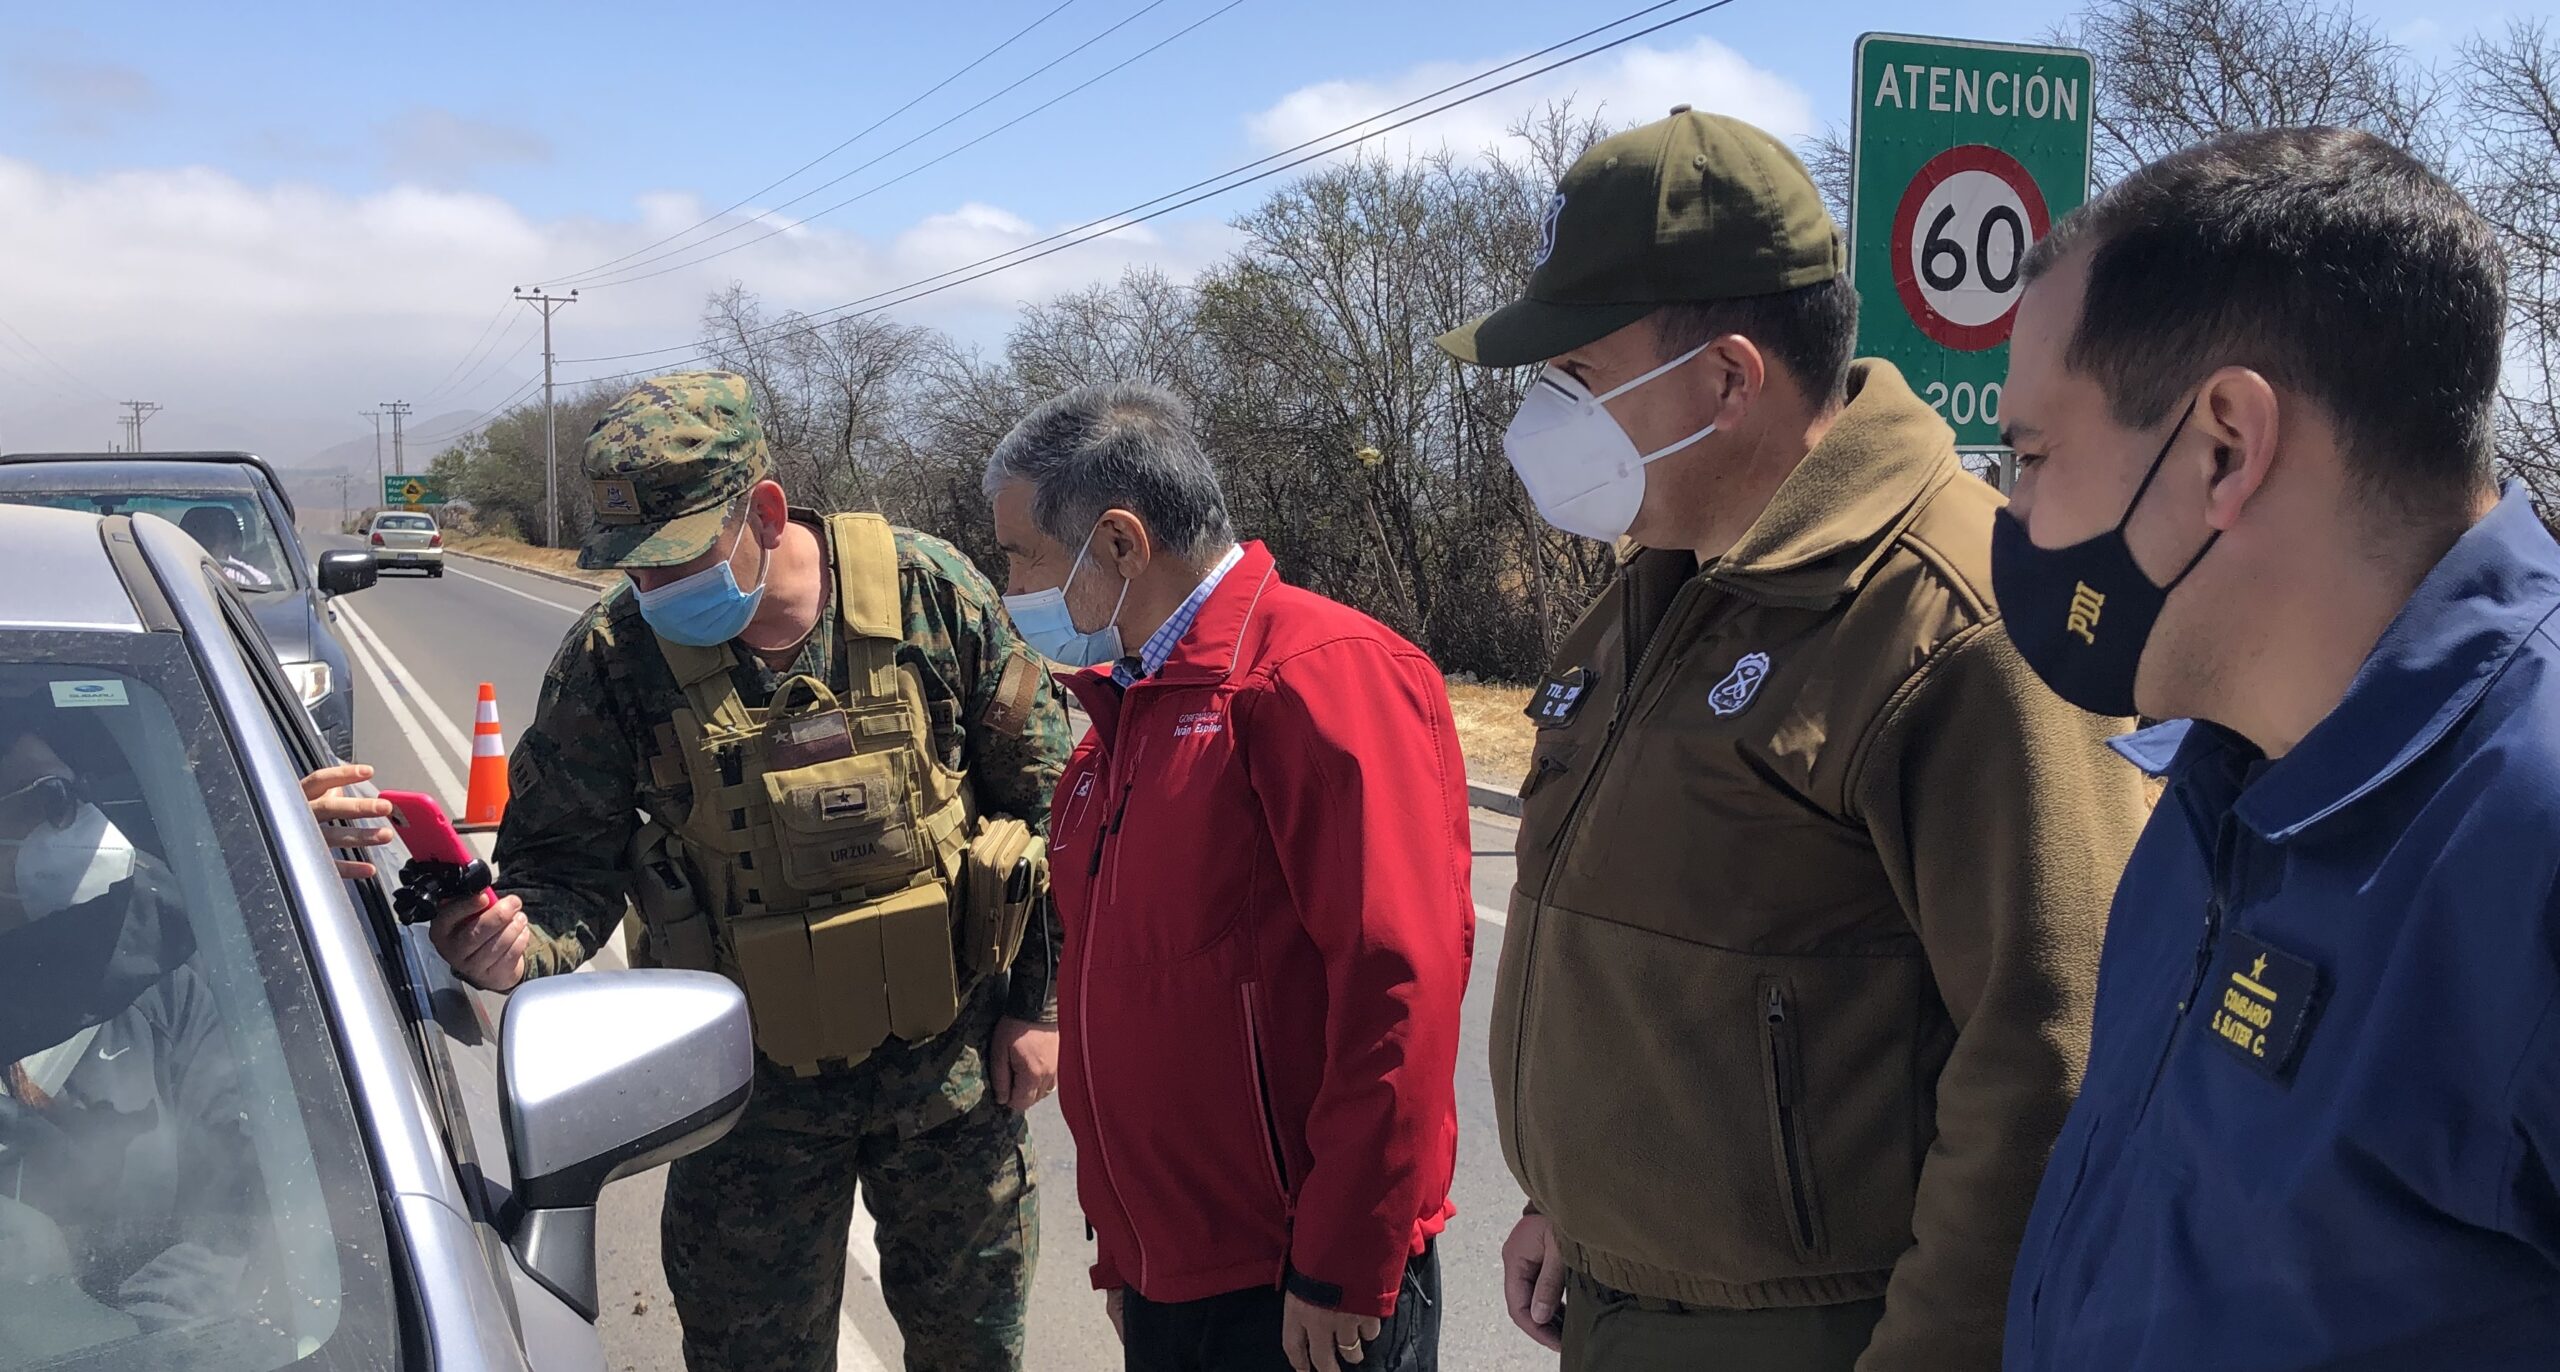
542,600
455,740
854,1352
421,742
1489,915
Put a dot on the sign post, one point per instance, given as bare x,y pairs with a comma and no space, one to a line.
411,490
1963,154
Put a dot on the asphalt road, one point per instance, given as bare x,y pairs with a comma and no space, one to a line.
422,648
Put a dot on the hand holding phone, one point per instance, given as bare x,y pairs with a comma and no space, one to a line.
441,869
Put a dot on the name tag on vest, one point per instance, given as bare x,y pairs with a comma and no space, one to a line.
2258,1000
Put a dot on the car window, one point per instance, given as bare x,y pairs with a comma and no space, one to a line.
182,1179
232,525
408,523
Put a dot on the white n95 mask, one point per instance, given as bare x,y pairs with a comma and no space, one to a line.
60,868
1583,473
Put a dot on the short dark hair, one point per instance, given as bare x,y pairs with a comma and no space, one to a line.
1811,331
2332,262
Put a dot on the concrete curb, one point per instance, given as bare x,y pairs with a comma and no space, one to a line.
1499,801
543,572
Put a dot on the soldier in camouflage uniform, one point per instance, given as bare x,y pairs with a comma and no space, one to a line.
754,1229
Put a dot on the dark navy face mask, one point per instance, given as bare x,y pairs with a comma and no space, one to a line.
2082,614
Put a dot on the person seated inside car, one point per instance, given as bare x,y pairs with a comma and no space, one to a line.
130,1196
218,529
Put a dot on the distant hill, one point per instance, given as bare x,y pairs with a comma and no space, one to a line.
313,482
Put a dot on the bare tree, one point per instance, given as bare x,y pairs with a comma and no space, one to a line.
2175,72
2511,118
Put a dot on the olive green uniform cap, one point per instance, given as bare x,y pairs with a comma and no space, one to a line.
1695,207
666,463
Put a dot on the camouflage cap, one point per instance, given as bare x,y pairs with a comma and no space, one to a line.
1691,208
666,463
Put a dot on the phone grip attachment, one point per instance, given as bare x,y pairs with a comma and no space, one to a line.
426,887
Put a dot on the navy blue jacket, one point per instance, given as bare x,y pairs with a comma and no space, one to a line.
2321,1123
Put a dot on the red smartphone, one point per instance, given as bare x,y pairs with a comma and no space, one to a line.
423,826
441,868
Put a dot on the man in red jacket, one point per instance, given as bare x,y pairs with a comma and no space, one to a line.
1259,854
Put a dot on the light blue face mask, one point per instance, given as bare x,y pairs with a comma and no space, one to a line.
1050,628
705,609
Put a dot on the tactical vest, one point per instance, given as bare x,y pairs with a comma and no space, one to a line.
826,835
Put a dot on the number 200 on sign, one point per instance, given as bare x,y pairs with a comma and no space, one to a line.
1964,402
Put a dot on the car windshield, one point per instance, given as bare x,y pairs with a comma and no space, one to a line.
417,524
232,525
182,1181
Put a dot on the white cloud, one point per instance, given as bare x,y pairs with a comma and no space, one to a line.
269,315
1631,85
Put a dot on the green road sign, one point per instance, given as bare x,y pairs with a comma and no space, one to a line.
410,490
1963,155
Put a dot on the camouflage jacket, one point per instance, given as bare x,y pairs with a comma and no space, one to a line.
580,775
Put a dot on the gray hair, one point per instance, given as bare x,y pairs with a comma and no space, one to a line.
1126,445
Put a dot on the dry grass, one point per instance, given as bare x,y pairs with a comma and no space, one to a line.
1492,730
1494,734
498,549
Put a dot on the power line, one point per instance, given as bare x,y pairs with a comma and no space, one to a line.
468,354
1129,218
867,130
486,369
485,418
47,359
623,278
933,162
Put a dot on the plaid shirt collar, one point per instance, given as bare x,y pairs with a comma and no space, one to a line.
1152,654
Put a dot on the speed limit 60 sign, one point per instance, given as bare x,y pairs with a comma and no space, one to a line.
1963,156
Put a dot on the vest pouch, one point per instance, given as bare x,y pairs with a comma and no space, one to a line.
669,902
781,978
888,967
1007,872
845,824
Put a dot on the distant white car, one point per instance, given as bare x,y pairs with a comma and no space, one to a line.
401,539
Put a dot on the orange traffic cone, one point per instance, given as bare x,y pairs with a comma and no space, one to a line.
486,803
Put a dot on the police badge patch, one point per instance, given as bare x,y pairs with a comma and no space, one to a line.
1733,694
1547,233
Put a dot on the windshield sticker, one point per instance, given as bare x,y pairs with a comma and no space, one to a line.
72,695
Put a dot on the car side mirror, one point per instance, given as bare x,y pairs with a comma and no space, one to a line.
347,570
602,1075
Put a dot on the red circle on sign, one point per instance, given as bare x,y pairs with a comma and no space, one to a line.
1906,218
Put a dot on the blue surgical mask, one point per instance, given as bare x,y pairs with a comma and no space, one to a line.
705,609
1049,626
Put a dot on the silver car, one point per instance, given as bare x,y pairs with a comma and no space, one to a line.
408,541
248,1121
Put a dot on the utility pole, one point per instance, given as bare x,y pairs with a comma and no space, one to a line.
398,410
546,302
136,411
376,417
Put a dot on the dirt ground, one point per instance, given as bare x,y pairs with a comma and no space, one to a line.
526,555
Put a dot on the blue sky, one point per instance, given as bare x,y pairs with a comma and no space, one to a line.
270,216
